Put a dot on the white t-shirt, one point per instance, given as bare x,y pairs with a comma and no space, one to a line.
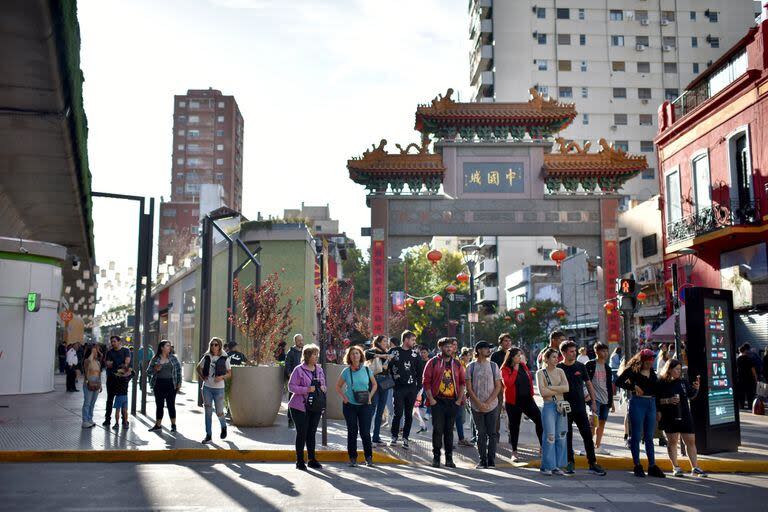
583,359
210,381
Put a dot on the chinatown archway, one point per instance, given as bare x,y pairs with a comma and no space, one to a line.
500,177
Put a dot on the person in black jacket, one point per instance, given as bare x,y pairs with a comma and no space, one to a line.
406,368
639,379
600,374
292,360
212,370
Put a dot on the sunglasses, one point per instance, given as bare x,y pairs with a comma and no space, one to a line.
215,345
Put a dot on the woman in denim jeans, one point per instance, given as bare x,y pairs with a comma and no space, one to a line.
377,359
91,379
552,383
357,380
212,370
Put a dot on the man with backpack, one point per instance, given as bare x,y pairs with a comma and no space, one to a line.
483,387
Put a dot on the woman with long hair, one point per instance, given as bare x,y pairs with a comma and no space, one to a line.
164,372
639,379
552,384
518,396
212,370
304,383
357,387
377,360
672,400
91,384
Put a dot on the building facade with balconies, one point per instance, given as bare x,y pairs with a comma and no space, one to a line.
712,148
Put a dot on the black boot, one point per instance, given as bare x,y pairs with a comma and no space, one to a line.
449,461
639,471
436,461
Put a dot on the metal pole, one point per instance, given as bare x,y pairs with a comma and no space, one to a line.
149,222
230,288
324,418
676,311
140,262
627,348
472,308
205,294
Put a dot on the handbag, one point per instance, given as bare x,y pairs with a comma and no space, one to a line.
562,406
361,397
93,386
385,381
316,400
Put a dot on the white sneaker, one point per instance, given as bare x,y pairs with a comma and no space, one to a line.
602,451
87,424
677,471
580,453
699,472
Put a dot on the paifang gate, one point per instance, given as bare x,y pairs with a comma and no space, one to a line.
499,177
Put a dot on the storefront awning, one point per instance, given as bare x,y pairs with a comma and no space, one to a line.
649,311
666,331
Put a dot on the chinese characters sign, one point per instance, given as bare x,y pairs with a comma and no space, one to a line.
494,177
378,286
609,217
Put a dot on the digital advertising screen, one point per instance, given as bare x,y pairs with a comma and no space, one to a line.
717,336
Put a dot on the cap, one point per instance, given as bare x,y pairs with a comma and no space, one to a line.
647,354
231,345
483,344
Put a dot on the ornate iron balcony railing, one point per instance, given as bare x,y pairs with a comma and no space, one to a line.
711,219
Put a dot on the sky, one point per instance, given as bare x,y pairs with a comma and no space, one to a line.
317,82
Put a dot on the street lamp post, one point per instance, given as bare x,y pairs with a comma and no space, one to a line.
470,255
689,261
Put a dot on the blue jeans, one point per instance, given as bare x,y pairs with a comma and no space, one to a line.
211,397
89,400
380,401
460,422
642,420
554,448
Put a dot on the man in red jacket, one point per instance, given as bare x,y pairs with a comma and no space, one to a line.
444,383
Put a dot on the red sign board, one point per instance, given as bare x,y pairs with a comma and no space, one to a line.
609,218
378,287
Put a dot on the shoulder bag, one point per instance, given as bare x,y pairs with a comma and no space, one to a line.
315,401
563,407
361,397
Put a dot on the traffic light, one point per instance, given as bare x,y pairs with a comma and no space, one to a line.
625,288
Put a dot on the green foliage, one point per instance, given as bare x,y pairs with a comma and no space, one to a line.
357,268
532,330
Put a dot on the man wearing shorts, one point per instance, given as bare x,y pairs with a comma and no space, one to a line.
599,372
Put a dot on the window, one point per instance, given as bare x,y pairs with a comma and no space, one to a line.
564,39
670,67
701,179
220,177
179,189
565,92
583,65
713,15
695,68
192,188
672,193
193,161
582,39
641,15
180,147
644,93
668,16
543,90
219,147
169,231
671,94
193,148
616,15
643,40
649,174
584,118
650,244
582,14
620,119
221,104
182,119
620,92
625,256
563,65
694,42
617,40
541,13
623,145
646,146
563,14
194,104
669,41
542,38
181,132
643,67
584,92
693,15
542,64
714,42
646,120
618,65
219,161
180,161
219,119
194,119
169,212
193,134
219,133
182,104
194,230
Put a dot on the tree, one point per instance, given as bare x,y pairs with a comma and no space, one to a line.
357,268
263,316
340,309
531,330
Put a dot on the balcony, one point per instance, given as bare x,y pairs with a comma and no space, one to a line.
485,241
715,82
487,266
489,294
708,220
480,60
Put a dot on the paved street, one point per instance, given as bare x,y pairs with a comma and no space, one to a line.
236,486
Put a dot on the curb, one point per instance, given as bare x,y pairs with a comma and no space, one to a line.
188,454
626,464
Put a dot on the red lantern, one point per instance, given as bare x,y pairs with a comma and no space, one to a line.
437,299
462,277
409,301
507,318
434,256
532,311
421,303
558,255
451,288
608,306
641,296
561,313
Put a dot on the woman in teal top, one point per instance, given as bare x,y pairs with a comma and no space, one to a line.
356,387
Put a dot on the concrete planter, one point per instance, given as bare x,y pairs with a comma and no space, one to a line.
188,372
333,406
256,394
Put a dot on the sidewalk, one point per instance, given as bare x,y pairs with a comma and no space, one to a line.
47,427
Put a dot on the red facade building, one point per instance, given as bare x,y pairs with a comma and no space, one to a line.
713,153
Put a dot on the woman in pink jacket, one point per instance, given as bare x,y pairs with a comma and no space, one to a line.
304,383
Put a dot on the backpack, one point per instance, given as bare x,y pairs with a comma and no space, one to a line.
316,400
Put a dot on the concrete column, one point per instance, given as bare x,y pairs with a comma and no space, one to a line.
609,234
379,268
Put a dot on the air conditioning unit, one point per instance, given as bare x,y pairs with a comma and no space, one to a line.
644,22
664,23
535,34
647,275
644,102
640,47
666,48
534,9
613,127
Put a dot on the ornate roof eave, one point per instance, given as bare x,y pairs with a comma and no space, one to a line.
376,168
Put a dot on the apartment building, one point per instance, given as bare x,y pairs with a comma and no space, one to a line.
617,61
